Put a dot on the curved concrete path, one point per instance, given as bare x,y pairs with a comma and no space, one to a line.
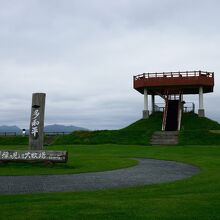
148,171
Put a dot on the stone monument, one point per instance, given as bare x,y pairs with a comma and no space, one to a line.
36,139
36,136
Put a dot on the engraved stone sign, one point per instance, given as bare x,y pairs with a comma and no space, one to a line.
33,155
36,136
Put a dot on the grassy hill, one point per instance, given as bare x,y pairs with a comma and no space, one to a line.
199,131
139,132
195,131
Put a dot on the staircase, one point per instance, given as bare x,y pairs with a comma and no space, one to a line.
171,119
165,138
172,112
172,115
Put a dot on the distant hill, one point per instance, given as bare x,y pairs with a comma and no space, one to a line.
47,128
63,128
5,128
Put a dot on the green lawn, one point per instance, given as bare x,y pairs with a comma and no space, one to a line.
194,198
79,161
91,151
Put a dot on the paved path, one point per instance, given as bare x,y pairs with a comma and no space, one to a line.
148,171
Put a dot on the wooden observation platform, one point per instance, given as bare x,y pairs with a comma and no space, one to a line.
189,82
171,86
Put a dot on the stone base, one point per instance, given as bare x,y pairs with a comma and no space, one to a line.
146,114
201,113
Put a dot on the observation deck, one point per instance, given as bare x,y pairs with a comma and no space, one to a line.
188,82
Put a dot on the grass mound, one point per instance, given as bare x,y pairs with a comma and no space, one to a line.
191,121
139,132
199,131
194,131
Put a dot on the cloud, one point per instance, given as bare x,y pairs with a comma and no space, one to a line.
83,54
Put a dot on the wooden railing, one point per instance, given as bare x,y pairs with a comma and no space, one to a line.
175,74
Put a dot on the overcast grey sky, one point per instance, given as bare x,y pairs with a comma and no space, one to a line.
83,54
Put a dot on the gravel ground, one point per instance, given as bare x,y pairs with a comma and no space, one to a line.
148,171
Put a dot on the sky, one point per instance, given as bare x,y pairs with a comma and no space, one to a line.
83,55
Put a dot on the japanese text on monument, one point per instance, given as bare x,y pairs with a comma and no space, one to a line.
35,123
